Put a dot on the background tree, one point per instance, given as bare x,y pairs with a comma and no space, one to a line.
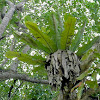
57,30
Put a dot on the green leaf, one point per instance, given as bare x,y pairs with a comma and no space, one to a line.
34,60
42,47
97,55
92,84
94,76
84,74
40,70
85,56
28,18
52,25
87,46
27,39
68,32
98,70
36,1
80,91
75,42
55,26
43,38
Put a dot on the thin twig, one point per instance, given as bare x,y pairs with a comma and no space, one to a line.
4,63
12,86
15,91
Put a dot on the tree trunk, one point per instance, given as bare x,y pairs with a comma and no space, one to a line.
63,67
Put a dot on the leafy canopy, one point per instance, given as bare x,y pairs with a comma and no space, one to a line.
42,41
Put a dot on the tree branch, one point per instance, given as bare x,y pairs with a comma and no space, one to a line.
9,15
10,3
4,62
20,25
20,5
6,20
7,74
85,64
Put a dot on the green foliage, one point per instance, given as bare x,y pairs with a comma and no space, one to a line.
94,76
40,70
28,91
34,60
2,4
43,38
3,88
83,75
80,90
92,84
36,1
68,32
87,46
39,92
75,42
28,18
53,23
14,21
45,17
54,27
85,56
98,70
97,55
42,47
27,39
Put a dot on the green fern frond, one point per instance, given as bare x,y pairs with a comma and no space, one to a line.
28,18
43,38
87,46
54,27
27,39
68,32
34,60
42,47
75,42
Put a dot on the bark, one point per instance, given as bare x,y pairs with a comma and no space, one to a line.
85,64
4,62
3,11
7,74
63,67
9,14
20,25
6,20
